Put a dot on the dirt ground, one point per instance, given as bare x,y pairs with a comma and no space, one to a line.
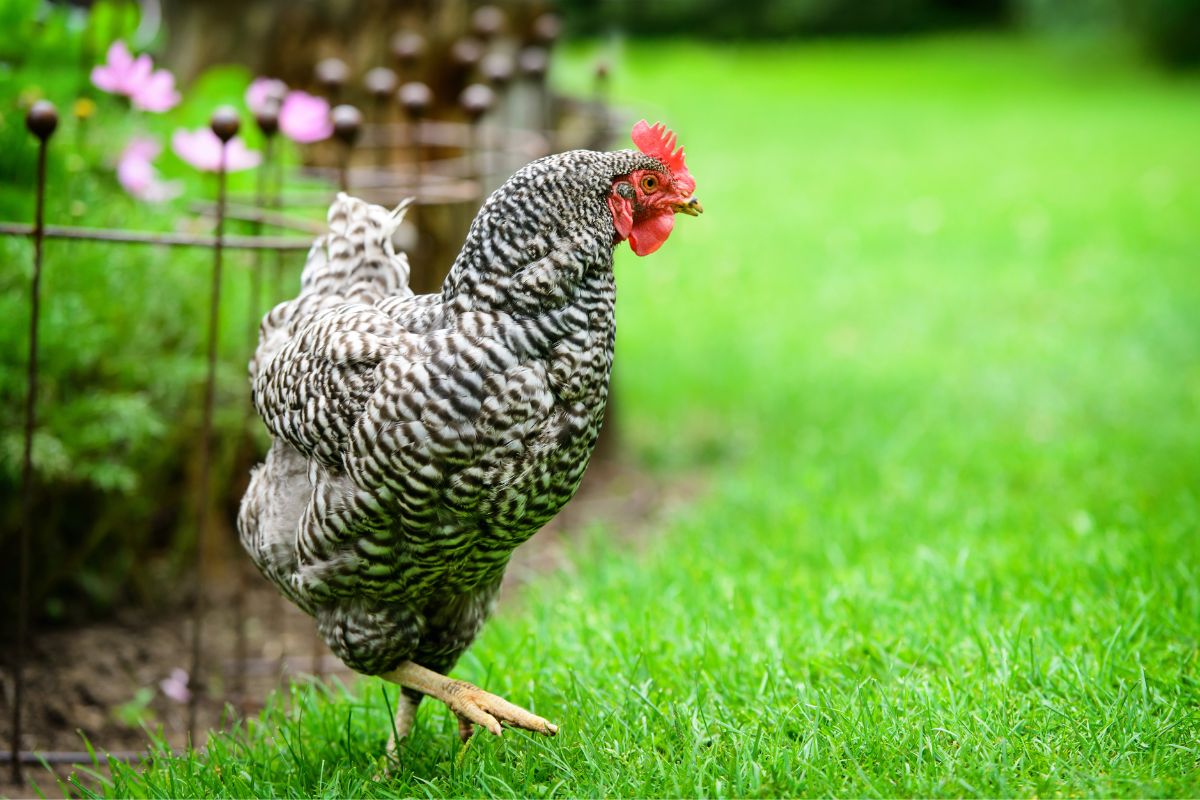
103,681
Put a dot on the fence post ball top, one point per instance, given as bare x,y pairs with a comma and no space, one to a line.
466,52
380,82
332,73
476,100
534,62
347,122
407,47
547,28
42,119
487,22
497,68
267,118
225,123
416,98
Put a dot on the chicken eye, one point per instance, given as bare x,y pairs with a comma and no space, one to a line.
649,183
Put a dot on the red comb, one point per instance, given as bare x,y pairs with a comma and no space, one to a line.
659,141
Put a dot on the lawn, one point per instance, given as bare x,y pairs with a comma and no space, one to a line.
936,343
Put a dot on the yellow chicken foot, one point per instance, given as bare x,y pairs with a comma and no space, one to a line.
469,703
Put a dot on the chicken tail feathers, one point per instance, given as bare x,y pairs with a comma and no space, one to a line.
356,262
360,263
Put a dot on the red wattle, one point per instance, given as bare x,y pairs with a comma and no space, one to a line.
647,235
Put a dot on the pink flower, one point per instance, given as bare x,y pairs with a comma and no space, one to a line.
202,149
157,93
122,74
304,118
139,177
264,91
141,148
136,78
176,686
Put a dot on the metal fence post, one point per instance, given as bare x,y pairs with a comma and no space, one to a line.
476,101
416,98
407,49
332,74
381,85
41,121
533,63
268,123
225,125
267,120
347,125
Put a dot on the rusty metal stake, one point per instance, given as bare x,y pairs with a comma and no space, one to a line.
534,62
476,101
407,49
41,121
268,124
225,125
347,125
277,202
260,198
381,84
332,74
416,98
600,93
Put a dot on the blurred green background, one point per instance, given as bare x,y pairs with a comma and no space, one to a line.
1166,30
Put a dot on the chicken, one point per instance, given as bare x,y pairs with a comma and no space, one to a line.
417,440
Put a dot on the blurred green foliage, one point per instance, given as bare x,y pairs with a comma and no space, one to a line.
122,333
1169,30
777,18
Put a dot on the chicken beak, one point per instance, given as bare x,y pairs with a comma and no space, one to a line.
692,208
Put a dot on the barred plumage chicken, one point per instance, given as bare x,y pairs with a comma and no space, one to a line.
417,440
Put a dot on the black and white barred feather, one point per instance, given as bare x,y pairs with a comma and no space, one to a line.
419,439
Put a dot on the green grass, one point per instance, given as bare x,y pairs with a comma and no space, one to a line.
937,341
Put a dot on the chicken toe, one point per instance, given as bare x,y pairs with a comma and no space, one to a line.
466,729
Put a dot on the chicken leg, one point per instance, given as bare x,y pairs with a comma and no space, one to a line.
472,705
406,713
